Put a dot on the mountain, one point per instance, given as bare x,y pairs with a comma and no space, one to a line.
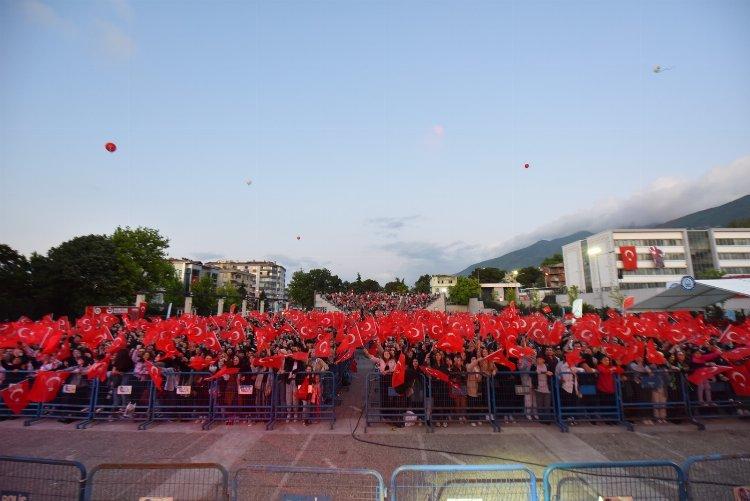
532,255
714,217
528,256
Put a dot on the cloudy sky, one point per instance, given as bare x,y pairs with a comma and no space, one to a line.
389,136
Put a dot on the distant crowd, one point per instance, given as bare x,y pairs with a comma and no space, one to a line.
379,302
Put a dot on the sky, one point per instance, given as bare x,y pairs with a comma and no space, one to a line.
389,136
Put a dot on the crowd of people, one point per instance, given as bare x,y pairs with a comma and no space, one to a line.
379,302
246,361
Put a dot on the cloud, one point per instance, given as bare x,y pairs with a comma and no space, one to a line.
114,41
389,226
41,13
296,263
205,256
419,257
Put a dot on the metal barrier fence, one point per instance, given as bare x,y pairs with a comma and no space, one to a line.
253,401
292,483
186,396
184,482
309,397
654,396
717,476
641,480
577,399
714,399
522,395
384,405
467,398
120,396
444,482
37,479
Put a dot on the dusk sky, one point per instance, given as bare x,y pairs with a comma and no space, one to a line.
389,135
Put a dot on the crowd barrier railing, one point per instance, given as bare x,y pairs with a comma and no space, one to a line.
183,481
270,482
517,396
121,396
40,479
307,397
714,399
655,395
642,480
248,396
454,402
435,482
185,396
9,378
717,476
383,404
584,402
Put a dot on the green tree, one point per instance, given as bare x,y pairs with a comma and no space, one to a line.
231,295
710,274
15,284
77,273
572,294
488,275
142,259
465,288
510,296
204,296
370,285
422,284
398,286
553,259
739,223
530,277
304,285
174,292
617,297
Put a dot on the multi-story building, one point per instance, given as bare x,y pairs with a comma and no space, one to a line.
242,280
269,278
189,271
439,284
554,275
662,257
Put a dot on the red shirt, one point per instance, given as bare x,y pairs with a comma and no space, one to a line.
606,381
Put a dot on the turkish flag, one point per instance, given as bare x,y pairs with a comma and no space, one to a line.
654,356
499,358
16,396
303,390
155,373
434,373
98,370
47,385
573,358
414,332
234,336
517,351
739,377
211,342
451,343
736,354
323,348
272,362
224,371
399,373
628,302
629,257
198,363
300,356
119,343
700,375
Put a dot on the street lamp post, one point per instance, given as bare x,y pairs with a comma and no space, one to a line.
595,252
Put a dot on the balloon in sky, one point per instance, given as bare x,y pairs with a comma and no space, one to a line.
249,182
525,166
659,69
111,147
298,237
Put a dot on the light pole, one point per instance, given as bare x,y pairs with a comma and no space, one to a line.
595,252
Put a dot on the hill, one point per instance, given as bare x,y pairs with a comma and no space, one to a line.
713,217
528,256
532,255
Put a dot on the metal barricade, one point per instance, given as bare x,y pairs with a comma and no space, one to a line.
585,402
187,396
7,380
383,404
445,482
249,396
719,400
120,396
717,477
38,479
658,395
518,395
291,483
319,390
454,402
178,481
74,402
641,480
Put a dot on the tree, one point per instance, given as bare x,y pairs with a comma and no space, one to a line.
142,259
488,275
710,274
530,277
553,259
174,292
15,284
422,284
304,285
398,286
465,288
617,297
739,223
510,296
536,299
204,296
231,295
370,285
572,294
77,273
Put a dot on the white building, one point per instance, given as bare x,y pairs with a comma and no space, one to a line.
270,278
594,264
439,284
189,271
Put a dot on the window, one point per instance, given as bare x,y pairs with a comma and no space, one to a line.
734,255
736,270
733,241
667,256
649,242
652,285
655,271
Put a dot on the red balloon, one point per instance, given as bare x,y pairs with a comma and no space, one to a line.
111,147
525,166
298,237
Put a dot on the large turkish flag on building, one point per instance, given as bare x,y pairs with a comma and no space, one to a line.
629,257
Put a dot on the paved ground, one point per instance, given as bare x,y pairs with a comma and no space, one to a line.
317,445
